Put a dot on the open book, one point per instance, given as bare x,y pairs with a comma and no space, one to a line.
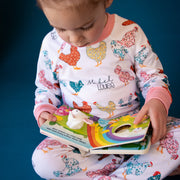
98,136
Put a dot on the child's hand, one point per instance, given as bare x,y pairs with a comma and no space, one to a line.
44,116
158,115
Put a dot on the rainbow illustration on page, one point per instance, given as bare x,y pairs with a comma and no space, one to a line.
117,131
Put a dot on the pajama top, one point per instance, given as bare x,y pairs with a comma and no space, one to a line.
102,79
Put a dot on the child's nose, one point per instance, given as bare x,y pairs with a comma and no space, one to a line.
75,37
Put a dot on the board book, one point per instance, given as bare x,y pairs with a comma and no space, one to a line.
98,136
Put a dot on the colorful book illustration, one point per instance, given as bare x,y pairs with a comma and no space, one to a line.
141,147
98,136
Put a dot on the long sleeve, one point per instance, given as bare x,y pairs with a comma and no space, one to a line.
48,93
152,81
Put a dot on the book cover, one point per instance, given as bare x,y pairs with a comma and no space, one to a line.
93,132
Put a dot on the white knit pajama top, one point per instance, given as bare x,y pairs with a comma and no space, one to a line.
104,78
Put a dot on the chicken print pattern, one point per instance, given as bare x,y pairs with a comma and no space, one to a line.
110,108
128,22
124,76
71,58
141,56
47,61
56,71
49,144
63,111
129,38
76,86
156,176
129,103
71,167
170,144
146,76
173,123
106,170
97,54
84,108
45,82
136,168
119,48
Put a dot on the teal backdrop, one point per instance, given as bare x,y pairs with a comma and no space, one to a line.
22,28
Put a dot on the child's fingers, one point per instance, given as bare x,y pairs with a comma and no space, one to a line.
159,127
158,133
140,115
155,136
41,121
47,116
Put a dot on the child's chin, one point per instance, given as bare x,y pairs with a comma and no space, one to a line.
81,45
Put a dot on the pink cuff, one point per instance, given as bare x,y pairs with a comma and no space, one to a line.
44,107
162,94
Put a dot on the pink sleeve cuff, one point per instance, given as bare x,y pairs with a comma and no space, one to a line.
162,94
44,107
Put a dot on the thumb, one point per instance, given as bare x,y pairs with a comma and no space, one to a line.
140,115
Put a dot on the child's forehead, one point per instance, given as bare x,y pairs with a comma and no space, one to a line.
67,3
78,2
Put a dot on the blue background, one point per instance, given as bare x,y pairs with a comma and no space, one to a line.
22,28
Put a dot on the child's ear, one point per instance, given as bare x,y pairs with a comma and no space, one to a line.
108,3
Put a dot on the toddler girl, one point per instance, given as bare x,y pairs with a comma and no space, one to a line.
97,62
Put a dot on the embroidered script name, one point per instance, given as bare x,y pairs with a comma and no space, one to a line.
103,84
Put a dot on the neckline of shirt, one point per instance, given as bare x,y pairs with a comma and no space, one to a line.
107,29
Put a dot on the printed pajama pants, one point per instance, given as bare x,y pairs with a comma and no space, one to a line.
55,160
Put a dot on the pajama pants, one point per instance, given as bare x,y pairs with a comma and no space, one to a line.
55,160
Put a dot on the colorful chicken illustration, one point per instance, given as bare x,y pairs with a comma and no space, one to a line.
146,76
62,47
97,54
119,48
141,56
171,145
47,61
129,104
45,82
174,123
62,111
84,108
166,82
53,35
136,168
106,170
109,109
76,86
71,58
44,145
148,84
71,167
128,39
50,101
127,23
156,176
56,71
124,76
